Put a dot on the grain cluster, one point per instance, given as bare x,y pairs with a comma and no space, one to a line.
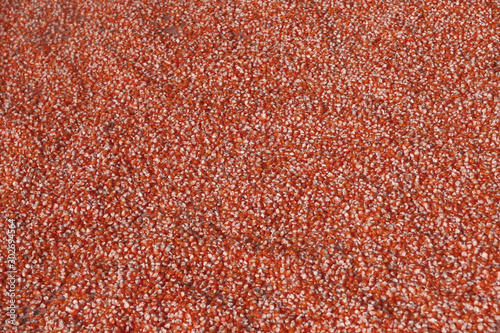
252,166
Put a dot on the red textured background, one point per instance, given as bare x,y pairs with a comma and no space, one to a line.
251,166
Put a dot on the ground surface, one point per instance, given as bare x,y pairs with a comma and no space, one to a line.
251,166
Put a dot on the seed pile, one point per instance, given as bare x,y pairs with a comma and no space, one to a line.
252,166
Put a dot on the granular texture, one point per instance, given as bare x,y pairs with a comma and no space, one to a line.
251,166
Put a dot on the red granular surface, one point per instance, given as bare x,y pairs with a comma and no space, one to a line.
251,166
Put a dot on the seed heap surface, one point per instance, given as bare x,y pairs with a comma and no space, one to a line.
252,166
